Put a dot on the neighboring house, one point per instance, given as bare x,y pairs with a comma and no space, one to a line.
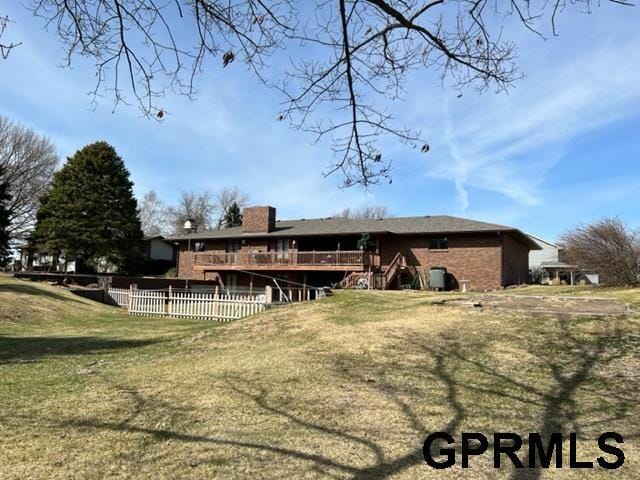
31,260
546,265
159,253
401,251
158,248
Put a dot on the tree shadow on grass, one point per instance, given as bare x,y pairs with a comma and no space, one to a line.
26,289
266,402
574,391
32,349
455,373
577,365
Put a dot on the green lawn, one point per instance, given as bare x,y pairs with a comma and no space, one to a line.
346,387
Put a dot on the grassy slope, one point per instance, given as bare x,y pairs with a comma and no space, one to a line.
347,387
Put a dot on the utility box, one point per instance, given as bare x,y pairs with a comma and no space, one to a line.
438,278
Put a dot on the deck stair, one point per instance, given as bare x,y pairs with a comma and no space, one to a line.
375,280
397,264
359,280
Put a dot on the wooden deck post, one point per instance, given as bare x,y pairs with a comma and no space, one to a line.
304,285
268,294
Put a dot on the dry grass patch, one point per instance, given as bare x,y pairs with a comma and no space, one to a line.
629,296
346,387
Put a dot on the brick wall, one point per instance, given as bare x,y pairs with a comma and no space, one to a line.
515,261
479,257
258,219
473,257
186,258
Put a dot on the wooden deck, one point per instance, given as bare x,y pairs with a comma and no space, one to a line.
290,260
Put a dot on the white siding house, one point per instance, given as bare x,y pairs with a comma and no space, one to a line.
159,249
545,265
549,253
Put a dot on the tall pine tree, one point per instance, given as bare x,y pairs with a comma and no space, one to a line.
4,219
90,212
232,217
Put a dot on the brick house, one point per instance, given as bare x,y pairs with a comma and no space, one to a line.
325,251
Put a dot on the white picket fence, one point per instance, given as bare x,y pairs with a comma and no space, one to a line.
207,306
186,304
118,296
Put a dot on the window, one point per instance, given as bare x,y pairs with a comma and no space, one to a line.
198,247
282,245
438,243
233,246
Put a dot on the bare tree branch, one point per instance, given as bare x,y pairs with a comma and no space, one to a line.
5,48
373,212
29,161
199,208
607,247
154,215
225,198
348,59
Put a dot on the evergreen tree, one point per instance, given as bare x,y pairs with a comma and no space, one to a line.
4,219
90,212
364,243
233,216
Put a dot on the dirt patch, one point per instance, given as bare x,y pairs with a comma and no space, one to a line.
545,304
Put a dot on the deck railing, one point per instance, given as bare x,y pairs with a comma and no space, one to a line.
289,258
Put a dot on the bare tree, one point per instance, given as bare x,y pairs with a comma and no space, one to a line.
607,247
200,208
6,47
351,57
153,214
205,209
225,198
364,213
29,161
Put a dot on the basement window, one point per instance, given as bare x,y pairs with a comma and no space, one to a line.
438,243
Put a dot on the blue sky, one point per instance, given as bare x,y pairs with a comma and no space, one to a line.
563,147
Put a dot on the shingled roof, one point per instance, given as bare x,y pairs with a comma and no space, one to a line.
434,224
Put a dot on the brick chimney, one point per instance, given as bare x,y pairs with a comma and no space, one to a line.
258,219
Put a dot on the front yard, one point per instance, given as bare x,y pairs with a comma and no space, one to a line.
346,387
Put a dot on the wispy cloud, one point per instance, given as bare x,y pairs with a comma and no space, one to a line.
509,144
497,156
581,202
